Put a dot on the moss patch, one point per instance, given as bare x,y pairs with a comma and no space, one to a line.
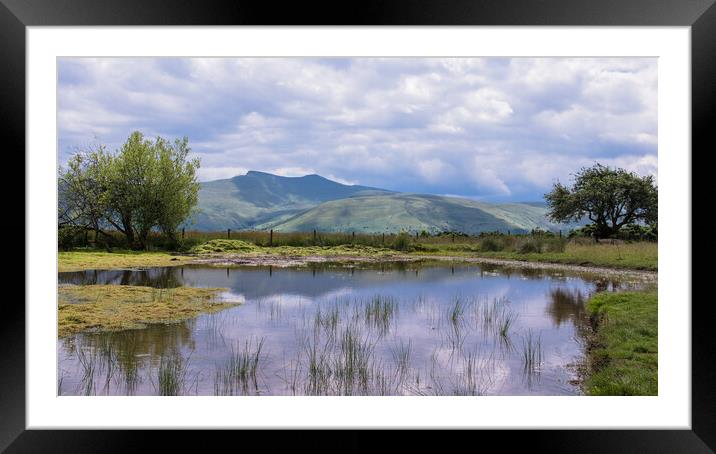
224,246
119,307
623,356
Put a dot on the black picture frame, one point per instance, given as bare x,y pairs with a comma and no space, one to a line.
16,15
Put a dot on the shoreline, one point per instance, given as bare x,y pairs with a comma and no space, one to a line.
280,261
120,260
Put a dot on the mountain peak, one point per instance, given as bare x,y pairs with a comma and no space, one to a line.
257,173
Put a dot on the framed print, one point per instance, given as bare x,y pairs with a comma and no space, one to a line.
434,217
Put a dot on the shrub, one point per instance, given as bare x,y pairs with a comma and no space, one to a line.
555,244
69,237
529,246
490,245
583,232
402,242
635,232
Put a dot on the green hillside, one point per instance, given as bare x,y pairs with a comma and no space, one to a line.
414,212
245,201
262,201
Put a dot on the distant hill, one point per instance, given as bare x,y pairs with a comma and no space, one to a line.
261,201
246,201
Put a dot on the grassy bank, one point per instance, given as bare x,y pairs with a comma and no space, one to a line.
90,259
119,307
640,256
622,357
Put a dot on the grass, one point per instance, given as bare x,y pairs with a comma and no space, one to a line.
120,307
98,260
220,246
239,374
531,352
638,255
641,256
224,246
623,356
171,375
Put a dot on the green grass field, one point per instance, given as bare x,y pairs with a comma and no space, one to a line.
623,357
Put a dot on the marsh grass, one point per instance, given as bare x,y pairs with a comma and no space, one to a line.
88,361
172,375
379,312
456,311
239,375
474,378
531,352
401,353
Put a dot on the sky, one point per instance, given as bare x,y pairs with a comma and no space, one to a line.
494,129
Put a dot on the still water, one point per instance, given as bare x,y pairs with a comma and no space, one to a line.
403,329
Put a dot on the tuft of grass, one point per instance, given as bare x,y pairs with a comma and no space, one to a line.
120,307
531,352
623,355
224,246
239,373
89,363
401,356
456,312
379,312
171,375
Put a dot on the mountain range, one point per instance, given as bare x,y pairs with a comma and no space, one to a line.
260,201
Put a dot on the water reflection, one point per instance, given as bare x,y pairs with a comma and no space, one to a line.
566,305
387,330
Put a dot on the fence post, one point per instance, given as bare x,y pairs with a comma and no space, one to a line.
182,233
383,240
271,238
353,237
314,235
560,233
228,234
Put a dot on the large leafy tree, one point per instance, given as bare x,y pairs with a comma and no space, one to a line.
609,197
147,185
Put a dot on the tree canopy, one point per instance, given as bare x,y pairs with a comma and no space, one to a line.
609,197
146,185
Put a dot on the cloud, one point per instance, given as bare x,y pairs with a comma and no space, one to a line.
500,128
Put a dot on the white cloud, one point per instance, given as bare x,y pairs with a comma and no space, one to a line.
491,127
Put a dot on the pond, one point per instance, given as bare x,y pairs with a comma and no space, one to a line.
398,329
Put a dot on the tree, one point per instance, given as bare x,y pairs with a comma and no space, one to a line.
82,189
610,198
178,189
146,185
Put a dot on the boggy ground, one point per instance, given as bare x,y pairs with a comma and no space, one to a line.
120,307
